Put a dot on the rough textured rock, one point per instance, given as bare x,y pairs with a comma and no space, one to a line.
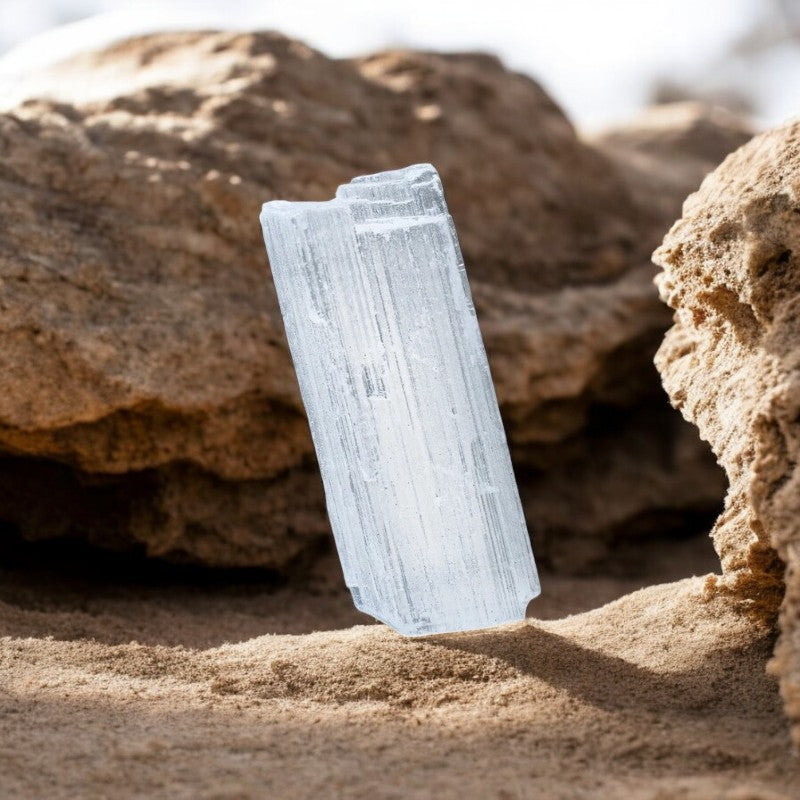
731,364
148,397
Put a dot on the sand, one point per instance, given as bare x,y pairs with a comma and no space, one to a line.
125,681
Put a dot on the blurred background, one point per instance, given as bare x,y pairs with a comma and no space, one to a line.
601,61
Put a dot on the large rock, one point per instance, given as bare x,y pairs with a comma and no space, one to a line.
148,396
731,364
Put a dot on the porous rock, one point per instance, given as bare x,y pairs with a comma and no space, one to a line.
731,364
148,396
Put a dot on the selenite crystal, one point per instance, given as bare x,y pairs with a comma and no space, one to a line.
393,373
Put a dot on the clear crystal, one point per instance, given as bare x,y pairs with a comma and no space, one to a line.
393,373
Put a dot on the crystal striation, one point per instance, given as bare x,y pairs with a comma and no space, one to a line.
382,329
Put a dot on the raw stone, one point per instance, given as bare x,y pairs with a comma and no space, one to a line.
393,373
731,364
147,387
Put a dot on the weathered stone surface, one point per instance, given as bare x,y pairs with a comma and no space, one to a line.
148,396
731,364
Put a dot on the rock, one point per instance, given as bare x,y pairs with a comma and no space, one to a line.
578,500
149,399
666,150
731,364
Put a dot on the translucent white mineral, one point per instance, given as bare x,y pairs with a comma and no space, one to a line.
382,330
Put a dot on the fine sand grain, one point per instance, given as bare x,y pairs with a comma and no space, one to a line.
112,688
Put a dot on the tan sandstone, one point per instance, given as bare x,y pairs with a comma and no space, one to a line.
147,391
731,364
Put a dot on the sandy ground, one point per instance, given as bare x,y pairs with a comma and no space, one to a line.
128,682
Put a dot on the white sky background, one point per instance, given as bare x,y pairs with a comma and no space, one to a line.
598,58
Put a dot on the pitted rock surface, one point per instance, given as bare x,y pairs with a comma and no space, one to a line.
731,364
